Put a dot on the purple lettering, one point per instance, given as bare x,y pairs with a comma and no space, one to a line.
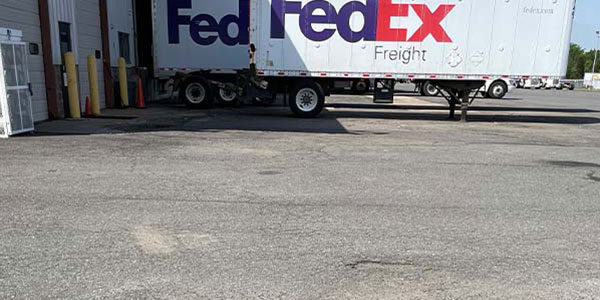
369,12
377,15
196,27
279,8
308,18
175,20
204,29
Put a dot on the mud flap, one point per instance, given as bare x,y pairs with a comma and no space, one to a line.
384,91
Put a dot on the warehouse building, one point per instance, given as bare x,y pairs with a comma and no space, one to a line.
104,29
24,15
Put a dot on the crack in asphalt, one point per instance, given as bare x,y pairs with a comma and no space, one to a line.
592,176
356,264
572,164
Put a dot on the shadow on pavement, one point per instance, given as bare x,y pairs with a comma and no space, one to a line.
472,108
473,118
506,99
161,118
246,119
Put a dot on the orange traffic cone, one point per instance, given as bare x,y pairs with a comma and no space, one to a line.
140,99
88,107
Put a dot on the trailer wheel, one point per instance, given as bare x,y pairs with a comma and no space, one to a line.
429,90
227,97
360,87
196,93
307,99
498,90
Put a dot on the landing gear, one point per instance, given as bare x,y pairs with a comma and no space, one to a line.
459,93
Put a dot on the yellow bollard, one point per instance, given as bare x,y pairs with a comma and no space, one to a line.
72,87
123,82
94,92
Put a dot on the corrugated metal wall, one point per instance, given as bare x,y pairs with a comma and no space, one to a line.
84,17
62,11
120,19
23,15
89,36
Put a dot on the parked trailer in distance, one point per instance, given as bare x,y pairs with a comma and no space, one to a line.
495,88
533,83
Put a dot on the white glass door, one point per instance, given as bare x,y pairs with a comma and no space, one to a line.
16,115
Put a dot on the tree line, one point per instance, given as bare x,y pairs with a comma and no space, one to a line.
581,62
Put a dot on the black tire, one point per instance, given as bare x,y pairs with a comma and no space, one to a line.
360,87
429,90
307,99
196,93
420,88
226,98
498,90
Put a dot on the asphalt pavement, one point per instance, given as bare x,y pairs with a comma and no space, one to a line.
365,202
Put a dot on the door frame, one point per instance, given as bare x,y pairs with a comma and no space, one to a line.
4,92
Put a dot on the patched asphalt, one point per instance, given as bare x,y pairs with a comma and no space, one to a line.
361,203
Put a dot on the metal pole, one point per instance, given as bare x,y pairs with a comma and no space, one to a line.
596,52
452,107
464,107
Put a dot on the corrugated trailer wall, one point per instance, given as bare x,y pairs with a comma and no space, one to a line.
401,38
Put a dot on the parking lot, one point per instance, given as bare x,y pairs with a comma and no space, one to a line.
365,202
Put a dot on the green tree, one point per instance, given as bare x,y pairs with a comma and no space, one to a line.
576,66
581,62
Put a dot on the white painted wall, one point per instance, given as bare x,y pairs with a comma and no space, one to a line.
121,19
23,15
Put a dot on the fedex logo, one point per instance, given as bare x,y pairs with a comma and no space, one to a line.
377,15
204,29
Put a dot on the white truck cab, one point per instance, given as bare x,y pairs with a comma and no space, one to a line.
497,88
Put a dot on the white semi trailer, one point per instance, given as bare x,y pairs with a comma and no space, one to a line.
252,49
200,45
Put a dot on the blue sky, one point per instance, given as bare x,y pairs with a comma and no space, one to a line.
587,21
